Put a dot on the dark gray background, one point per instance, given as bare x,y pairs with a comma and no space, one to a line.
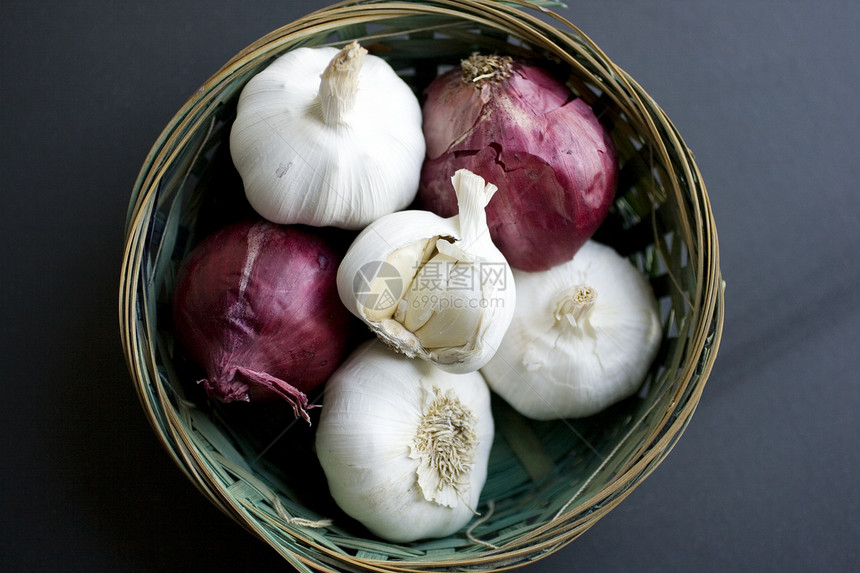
764,92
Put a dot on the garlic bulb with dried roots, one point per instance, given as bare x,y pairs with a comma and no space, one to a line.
403,444
515,124
328,137
582,338
433,288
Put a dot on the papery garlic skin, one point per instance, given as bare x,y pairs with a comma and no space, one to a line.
582,338
451,295
328,137
386,423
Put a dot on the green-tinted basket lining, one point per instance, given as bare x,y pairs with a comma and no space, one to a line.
647,237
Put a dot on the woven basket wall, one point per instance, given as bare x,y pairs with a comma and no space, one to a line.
548,481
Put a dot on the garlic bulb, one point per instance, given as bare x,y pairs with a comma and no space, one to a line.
403,444
582,338
328,138
431,287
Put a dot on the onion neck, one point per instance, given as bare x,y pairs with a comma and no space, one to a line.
573,305
339,84
479,69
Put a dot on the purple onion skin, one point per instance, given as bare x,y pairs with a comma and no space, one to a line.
555,165
256,306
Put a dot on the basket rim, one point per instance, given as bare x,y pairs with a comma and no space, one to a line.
707,302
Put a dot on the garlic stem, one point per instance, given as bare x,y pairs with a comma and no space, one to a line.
394,279
339,84
574,304
473,195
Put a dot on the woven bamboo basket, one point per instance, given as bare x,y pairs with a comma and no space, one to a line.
548,481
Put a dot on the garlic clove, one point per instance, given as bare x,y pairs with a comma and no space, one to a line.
384,258
390,278
438,309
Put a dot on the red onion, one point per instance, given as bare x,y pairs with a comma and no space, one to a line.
256,306
521,129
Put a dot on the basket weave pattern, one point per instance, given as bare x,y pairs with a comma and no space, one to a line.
548,481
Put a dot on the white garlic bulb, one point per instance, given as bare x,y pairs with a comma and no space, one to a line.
433,288
325,137
582,338
403,444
